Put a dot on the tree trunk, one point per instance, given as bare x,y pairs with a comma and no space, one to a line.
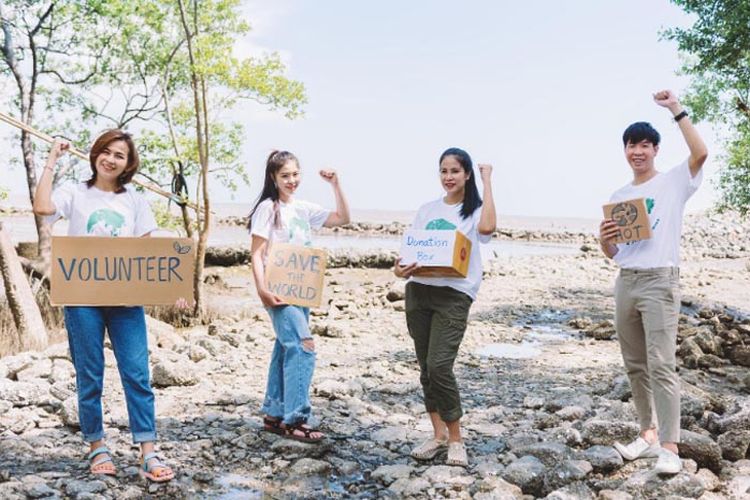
31,332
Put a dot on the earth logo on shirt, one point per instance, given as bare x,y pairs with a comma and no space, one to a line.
105,222
440,224
299,232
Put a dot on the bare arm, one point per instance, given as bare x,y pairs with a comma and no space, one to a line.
488,217
257,249
341,215
698,150
43,204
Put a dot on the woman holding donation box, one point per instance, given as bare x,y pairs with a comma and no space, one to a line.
437,307
107,205
280,217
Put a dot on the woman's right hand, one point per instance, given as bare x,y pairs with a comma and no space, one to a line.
404,271
269,299
58,149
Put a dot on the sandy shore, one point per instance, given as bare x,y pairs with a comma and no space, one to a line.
540,416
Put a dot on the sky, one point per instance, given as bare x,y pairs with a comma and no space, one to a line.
541,90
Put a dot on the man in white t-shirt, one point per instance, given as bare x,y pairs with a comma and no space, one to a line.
647,299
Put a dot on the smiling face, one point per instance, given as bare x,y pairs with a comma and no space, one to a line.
453,177
287,180
111,163
640,156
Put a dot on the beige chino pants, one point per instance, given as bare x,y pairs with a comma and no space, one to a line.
647,305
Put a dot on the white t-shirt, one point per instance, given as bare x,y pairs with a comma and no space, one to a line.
93,212
439,215
297,220
666,194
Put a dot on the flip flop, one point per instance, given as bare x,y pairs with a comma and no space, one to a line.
105,466
157,472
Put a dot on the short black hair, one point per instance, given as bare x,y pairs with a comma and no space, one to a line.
640,131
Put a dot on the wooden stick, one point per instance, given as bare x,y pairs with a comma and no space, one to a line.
80,154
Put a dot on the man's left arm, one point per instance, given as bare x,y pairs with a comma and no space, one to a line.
698,150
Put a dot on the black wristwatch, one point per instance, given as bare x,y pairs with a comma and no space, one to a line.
681,115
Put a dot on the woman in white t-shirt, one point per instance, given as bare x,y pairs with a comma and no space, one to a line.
278,216
107,205
437,308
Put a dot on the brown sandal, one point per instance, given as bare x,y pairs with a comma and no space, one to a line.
289,432
273,425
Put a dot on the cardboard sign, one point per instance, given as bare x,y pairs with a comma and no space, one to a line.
632,218
295,273
440,253
97,271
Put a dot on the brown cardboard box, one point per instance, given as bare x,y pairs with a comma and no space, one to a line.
295,273
440,253
97,271
632,218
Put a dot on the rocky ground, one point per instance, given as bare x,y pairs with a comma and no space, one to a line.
540,374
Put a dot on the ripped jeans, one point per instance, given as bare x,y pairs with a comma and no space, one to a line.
291,370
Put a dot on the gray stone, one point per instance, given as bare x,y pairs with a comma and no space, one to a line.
573,491
603,458
560,475
740,355
331,389
614,495
309,467
173,370
387,474
62,371
601,331
571,413
78,488
708,479
29,393
495,488
447,474
38,369
734,422
533,402
397,291
700,448
40,490
409,487
389,435
648,484
734,444
15,364
603,432
620,390
69,412
527,473
550,453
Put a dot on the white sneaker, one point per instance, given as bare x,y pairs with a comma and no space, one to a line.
640,448
668,462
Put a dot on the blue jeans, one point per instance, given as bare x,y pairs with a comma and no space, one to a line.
291,370
127,332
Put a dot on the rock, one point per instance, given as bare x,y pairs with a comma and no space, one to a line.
740,355
601,331
571,413
77,487
527,473
62,371
533,402
390,473
19,362
574,491
161,334
173,370
331,389
648,484
614,495
689,348
389,435
310,467
495,488
38,369
397,291
603,458
602,432
445,474
580,323
560,475
28,393
40,490
69,412
734,444
700,448
708,479
550,453
409,487
620,389
736,421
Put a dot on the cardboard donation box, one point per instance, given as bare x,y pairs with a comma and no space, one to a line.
439,253
295,273
95,271
631,216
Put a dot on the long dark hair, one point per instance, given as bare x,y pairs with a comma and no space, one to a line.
275,161
101,144
472,201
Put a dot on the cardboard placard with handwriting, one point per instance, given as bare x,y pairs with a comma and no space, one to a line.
295,273
440,253
631,216
98,271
